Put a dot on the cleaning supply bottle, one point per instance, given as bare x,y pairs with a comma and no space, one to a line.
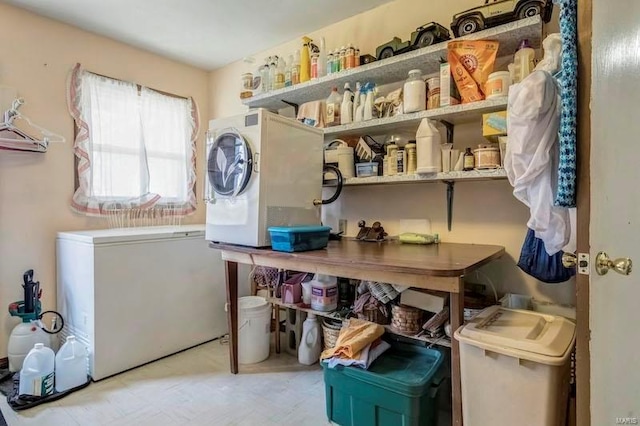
273,71
280,70
305,60
346,109
333,108
37,374
324,293
322,59
71,365
360,110
287,72
356,100
295,68
368,103
523,61
428,148
330,63
310,347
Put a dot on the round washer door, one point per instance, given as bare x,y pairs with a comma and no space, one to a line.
229,164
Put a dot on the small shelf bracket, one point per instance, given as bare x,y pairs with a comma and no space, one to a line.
450,188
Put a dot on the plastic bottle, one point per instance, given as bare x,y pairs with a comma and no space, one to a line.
415,92
305,60
346,109
314,66
273,71
322,59
357,57
523,61
310,347
428,148
356,100
392,156
280,70
359,116
37,374
287,72
71,365
264,76
333,107
324,293
330,63
22,339
368,103
295,68
351,56
343,58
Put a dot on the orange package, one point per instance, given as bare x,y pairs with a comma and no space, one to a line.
471,63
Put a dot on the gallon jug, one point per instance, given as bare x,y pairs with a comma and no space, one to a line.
324,293
428,148
310,348
523,61
22,339
36,376
71,365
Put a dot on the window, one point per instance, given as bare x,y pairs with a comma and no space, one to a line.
135,147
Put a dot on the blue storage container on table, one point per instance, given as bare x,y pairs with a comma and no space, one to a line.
400,388
299,238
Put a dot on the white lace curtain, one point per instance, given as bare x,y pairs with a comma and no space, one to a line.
136,149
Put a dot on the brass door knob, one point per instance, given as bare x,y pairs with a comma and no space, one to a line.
622,265
569,260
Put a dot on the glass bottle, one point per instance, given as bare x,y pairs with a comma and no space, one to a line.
287,72
295,68
330,63
469,161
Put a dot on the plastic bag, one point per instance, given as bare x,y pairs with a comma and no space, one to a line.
471,63
535,261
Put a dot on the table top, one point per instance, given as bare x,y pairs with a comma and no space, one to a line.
436,260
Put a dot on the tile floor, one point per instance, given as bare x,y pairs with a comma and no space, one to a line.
193,387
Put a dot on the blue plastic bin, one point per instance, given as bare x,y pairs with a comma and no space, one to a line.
299,238
400,388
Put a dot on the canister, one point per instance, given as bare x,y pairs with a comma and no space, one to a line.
392,165
412,159
498,84
487,157
433,93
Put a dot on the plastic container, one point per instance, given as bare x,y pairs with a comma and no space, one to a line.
71,365
399,388
523,61
310,344
518,356
433,93
333,107
37,374
22,339
487,157
412,159
497,86
415,92
428,147
367,169
254,329
299,238
324,293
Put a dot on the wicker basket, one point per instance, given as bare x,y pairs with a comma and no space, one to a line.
374,315
330,332
406,319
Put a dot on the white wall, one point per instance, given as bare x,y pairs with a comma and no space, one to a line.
484,212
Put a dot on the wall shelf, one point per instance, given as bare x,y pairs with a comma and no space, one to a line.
474,175
456,114
441,341
395,69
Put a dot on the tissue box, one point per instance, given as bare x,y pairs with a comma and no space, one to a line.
494,124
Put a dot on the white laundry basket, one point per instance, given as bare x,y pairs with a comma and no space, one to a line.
515,368
254,329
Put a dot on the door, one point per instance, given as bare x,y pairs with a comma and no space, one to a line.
615,211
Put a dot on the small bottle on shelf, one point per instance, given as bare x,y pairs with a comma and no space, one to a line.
469,161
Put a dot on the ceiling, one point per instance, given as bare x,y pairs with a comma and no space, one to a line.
204,33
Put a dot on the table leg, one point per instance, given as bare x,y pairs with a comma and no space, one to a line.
276,311
231,276
456,317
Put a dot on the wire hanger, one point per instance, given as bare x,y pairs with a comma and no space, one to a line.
12,138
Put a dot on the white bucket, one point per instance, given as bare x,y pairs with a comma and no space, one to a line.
254,329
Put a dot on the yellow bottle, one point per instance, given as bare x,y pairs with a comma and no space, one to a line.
305,60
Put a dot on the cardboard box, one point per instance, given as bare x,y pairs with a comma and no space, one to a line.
494,124
425,300
448,90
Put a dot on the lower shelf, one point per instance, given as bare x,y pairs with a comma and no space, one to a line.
440,341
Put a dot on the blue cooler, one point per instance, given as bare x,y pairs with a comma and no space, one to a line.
299,238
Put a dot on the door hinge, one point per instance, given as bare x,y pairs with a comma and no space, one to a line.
583,263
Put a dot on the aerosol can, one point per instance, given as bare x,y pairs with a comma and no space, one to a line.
31,330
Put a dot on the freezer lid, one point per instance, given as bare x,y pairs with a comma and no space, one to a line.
519,333
124,235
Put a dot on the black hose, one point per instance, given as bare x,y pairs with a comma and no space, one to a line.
59,329
336,170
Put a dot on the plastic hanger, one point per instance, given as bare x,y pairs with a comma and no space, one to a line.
13,138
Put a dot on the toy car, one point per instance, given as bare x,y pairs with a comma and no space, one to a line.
423,36
496,12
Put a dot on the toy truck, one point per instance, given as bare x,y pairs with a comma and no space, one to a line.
423,36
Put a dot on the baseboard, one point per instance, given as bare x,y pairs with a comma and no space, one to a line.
4,362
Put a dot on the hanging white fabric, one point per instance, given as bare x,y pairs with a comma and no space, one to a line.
532,156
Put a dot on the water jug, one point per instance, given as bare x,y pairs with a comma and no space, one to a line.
428,148
71,365
310,348
37,374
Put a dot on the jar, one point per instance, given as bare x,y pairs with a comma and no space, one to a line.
415,92
487,157
247,85
412,159
433,93
498,84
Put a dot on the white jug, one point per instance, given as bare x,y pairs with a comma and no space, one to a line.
71,365
310,348
21,341
37,374
428,148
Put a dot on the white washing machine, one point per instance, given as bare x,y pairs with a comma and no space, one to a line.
262,170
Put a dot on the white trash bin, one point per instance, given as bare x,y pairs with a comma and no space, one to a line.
515,368
254,329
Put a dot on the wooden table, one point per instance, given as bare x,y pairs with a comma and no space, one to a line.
435,267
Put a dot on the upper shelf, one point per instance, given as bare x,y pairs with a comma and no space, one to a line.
456,114
396,68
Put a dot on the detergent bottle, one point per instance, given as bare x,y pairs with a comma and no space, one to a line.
310,348
71,365
305,60
346,110
428,150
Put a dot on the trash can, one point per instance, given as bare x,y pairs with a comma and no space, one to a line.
515,367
